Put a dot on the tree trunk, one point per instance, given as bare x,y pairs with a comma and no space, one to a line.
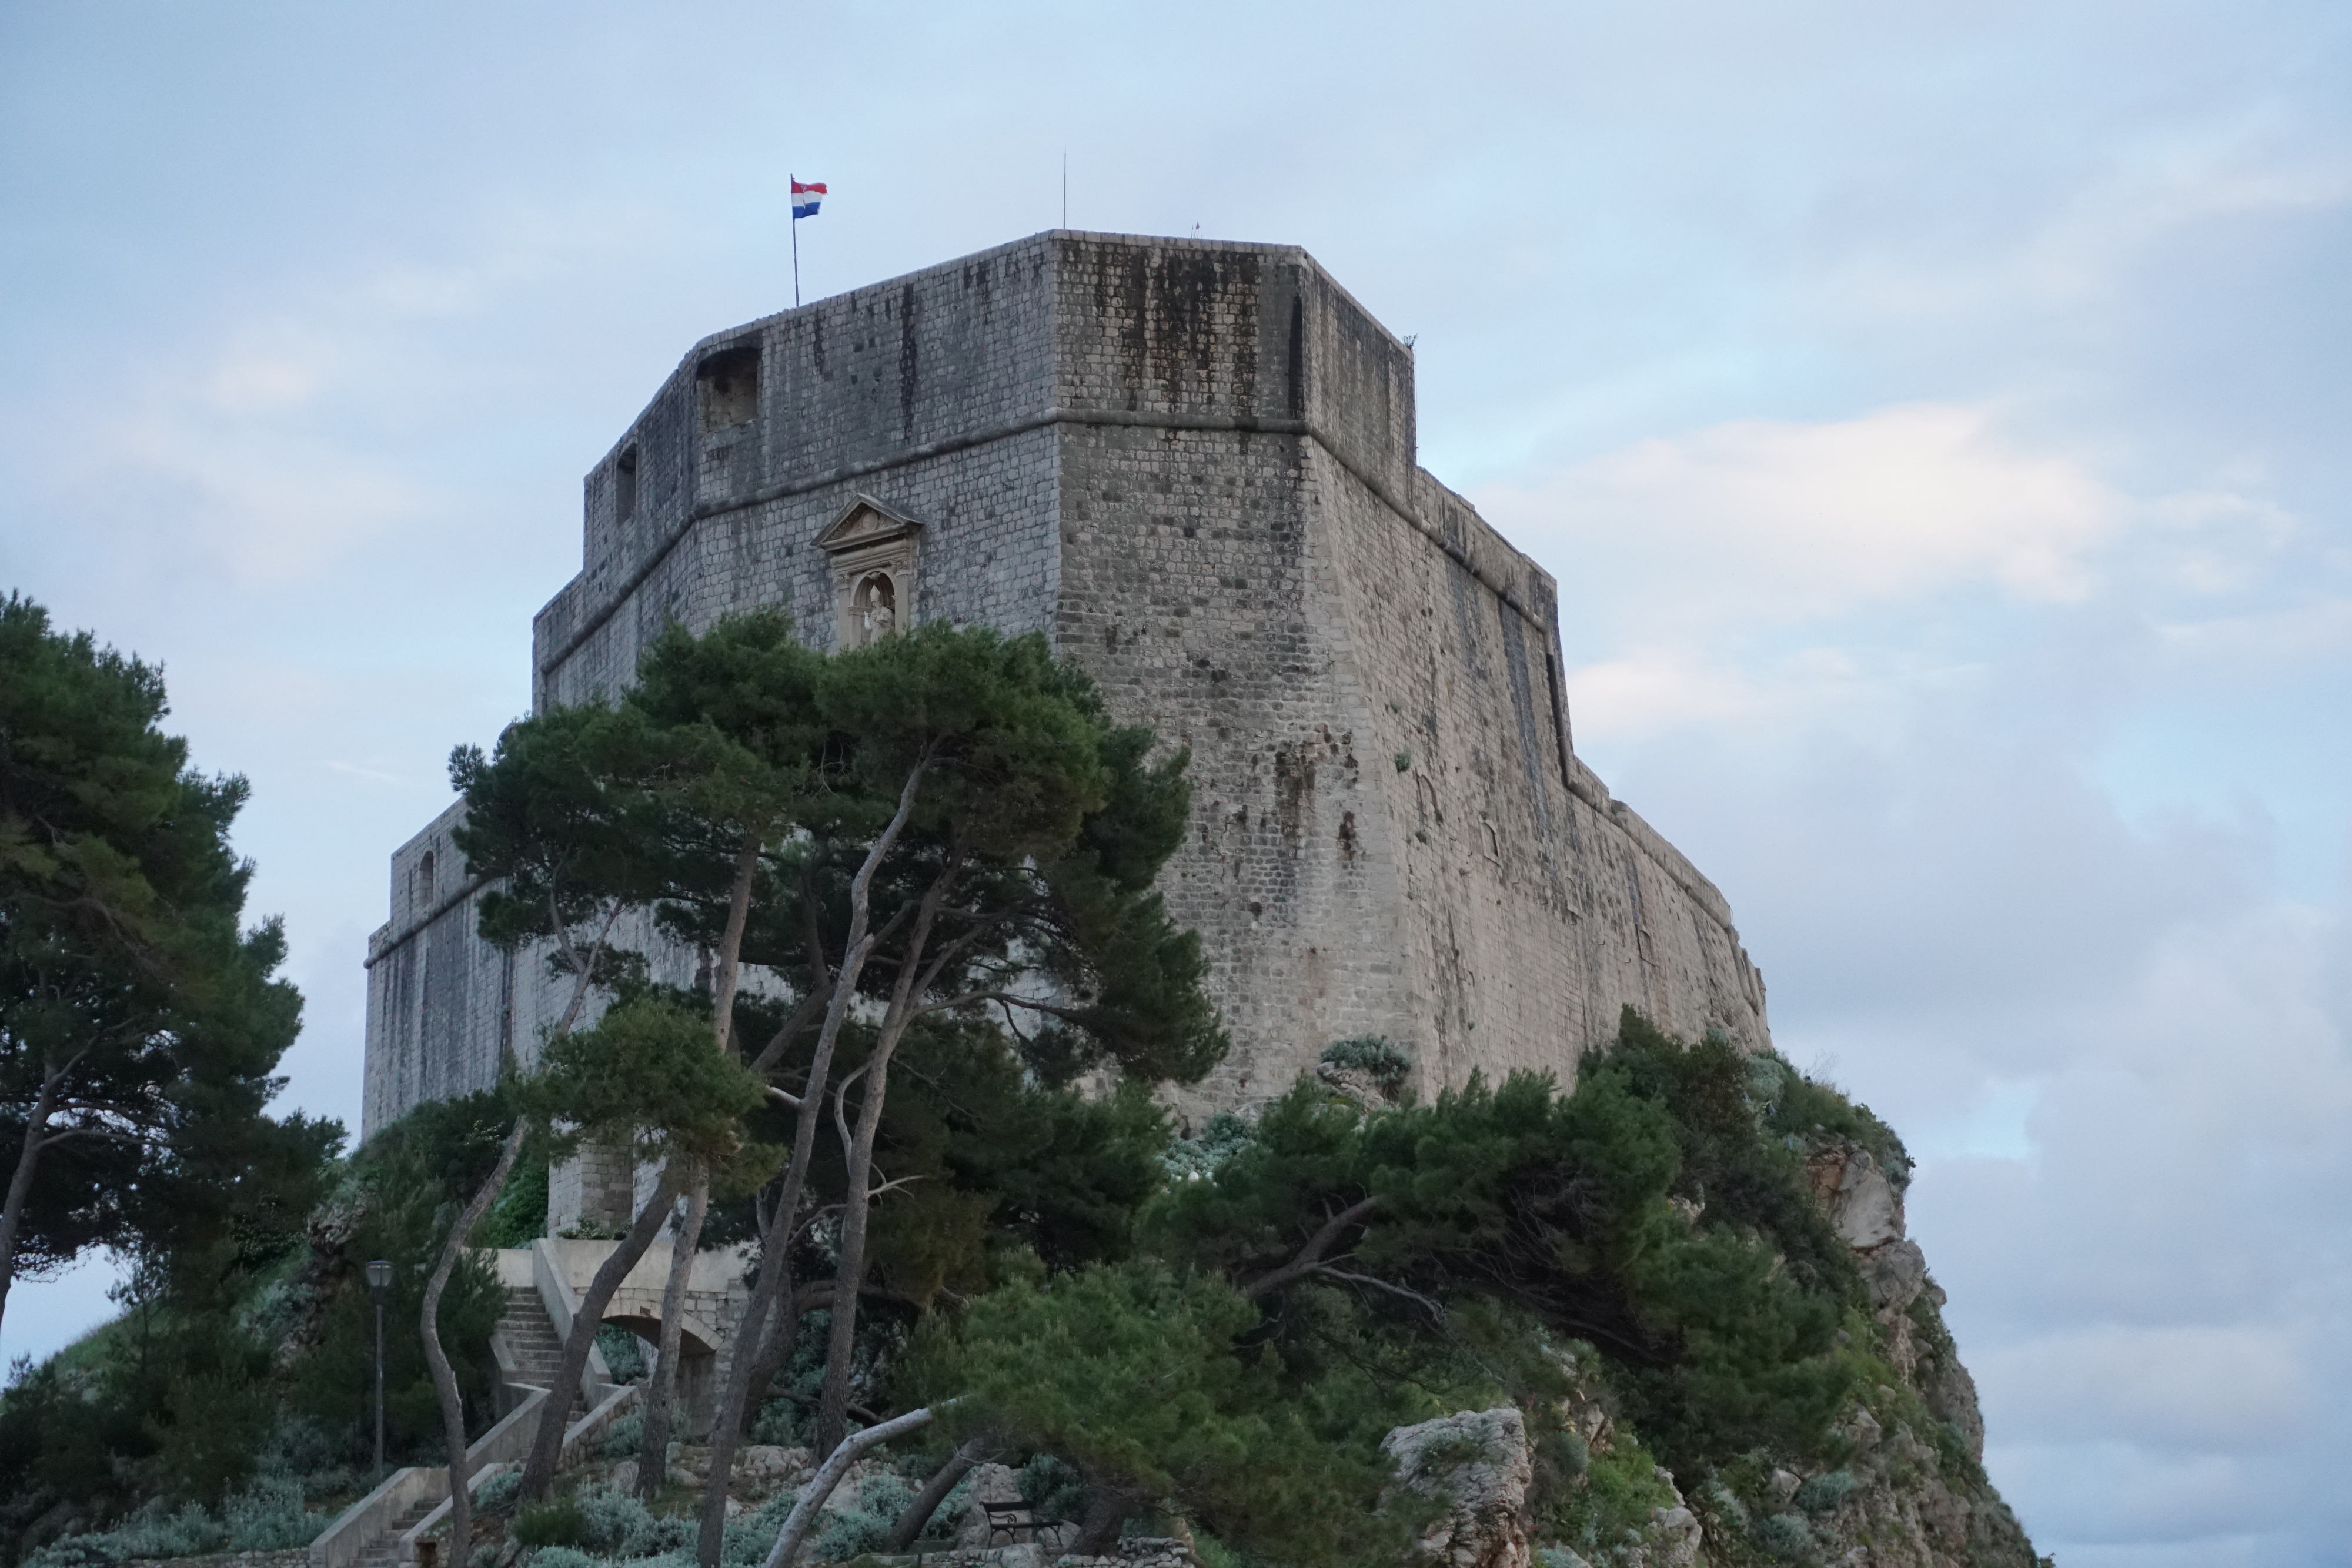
661,1389
1309,1257
1107,1510
729,1418
445,1380
774,1279
828,1476
547,1444
783,1333
856,1198
20,1185
833,1410
934,1493
731,944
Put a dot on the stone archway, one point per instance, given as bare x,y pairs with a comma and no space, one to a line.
639,1311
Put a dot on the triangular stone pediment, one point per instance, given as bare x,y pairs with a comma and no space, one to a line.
865,521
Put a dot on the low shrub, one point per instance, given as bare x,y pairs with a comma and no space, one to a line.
1620,1487
623,1352
1375,1056
779,1423
153,1530
499,1491
1785,1535
860,1527
270,1516
1825,1491
555,1523
1791,1106
615,1524
1053,1488
622,1439
563,1557
1189,1159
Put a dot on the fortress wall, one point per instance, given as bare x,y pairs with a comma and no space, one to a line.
446,1009
1538,907
1194,464
1304,610
722,522
987,554
1475,812
1192,595
847,390
1195,591
438,995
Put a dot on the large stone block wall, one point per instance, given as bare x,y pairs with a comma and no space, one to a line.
870,390
448,1013
1387,835
1192,465
440,1000
1194,596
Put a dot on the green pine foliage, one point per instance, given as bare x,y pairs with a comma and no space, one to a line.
238,1377
1135,1376
141,1022
645,1077
403,1190
1220,1327
1807,1110
1647,1213
141,1019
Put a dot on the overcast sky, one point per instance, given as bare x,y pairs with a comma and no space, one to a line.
1935,415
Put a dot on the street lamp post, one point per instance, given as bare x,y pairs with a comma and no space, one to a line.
379,1279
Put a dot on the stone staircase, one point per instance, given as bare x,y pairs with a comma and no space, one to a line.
369,1533
383,1550
530,1344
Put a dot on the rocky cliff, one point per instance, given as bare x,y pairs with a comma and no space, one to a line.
1903,1487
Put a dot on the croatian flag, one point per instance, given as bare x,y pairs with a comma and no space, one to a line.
806,198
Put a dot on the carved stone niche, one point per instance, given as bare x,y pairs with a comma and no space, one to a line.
874,548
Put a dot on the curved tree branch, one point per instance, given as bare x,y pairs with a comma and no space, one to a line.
828,1476
1309,1257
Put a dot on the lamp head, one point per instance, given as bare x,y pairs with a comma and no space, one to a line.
379,1277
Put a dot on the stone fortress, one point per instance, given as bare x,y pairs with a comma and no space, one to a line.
1192,466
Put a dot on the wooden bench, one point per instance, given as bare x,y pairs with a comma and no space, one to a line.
1010,1519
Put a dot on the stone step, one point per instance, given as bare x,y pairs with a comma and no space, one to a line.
382,1551
533,1340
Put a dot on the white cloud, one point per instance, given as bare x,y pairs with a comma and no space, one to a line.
2062,233
2190,1389
263,501
1765,521
2279,637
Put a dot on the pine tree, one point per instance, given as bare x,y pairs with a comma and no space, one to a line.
140,1019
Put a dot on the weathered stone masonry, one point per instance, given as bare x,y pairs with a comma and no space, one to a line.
1192,464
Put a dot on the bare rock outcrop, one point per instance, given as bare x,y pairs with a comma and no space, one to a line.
989,1482
1913,1493
1479,1462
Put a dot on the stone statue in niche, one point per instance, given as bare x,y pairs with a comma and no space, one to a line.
877,608
873,549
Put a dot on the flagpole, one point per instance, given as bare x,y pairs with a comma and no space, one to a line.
794,207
